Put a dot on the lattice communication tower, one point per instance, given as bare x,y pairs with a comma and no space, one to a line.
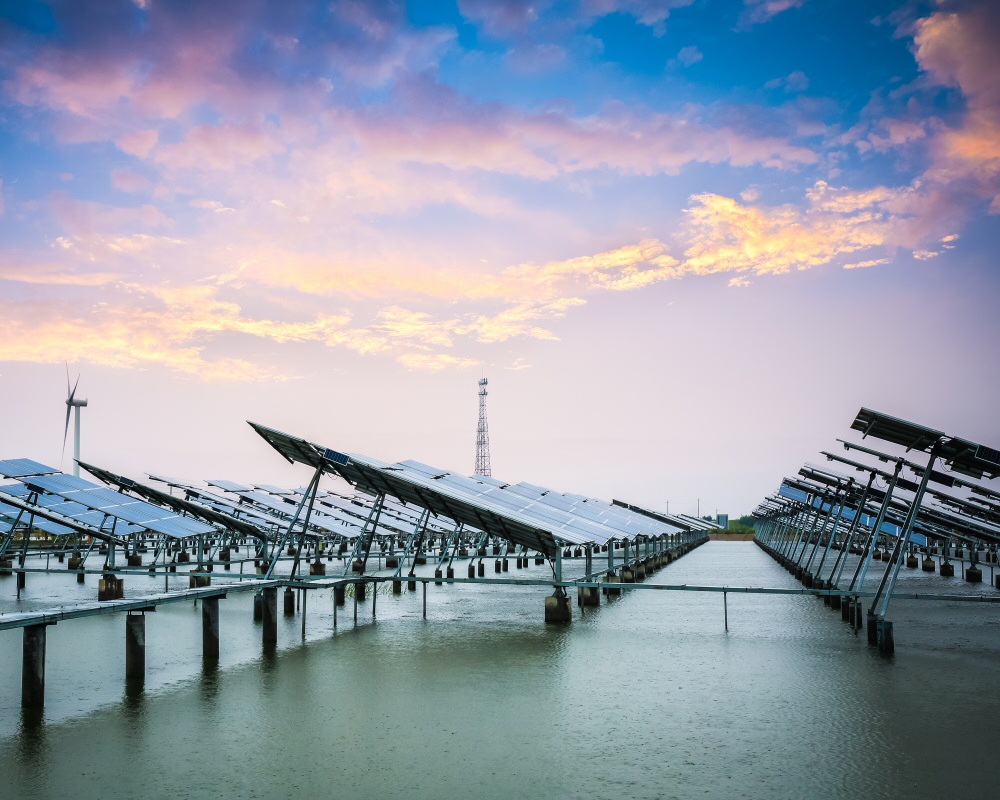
482,435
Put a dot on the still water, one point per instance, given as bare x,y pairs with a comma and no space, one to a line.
646,697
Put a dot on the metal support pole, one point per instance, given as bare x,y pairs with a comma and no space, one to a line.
725,610
840,563
425,599
862,569
888,582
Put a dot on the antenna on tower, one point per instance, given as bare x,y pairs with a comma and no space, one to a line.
482,435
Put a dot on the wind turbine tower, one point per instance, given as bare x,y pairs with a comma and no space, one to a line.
482,435
72,403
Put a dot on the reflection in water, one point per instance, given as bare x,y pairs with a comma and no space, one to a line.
647,696
208,686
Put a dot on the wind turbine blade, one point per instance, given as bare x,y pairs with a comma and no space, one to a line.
68,390
69,408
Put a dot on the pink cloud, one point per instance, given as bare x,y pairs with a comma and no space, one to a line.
219,147
959,49
130,182
138,143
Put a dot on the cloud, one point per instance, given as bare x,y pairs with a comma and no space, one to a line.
210,205
138,143
501,18
958,49
689,55
793,82
758,11
435,362
519,19
723,235
864,264
125,181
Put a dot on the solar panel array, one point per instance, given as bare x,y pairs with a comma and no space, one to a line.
526,514
91,504
942,515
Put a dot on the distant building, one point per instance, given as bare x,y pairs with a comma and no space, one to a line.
723,520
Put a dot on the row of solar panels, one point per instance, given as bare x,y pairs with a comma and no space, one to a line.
88,503
522,513
973,518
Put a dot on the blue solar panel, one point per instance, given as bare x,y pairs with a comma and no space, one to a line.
20,467
335,457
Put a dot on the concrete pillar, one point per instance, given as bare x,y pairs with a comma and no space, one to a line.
397,587
33,667
135,649
588,596
974,575
481,570
210,628
340,594
289,602
258,607
437,574
558,609
270,616
947,569
886,645
871,623
472,569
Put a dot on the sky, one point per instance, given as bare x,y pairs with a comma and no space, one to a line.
684,240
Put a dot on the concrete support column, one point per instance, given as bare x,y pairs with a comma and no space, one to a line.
33,667
210,628
886,645
270,616
135,649
558,609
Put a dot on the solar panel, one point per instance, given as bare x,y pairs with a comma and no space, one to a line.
988,454
228,486
21,467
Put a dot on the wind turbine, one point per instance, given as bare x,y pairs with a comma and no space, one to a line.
73,403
